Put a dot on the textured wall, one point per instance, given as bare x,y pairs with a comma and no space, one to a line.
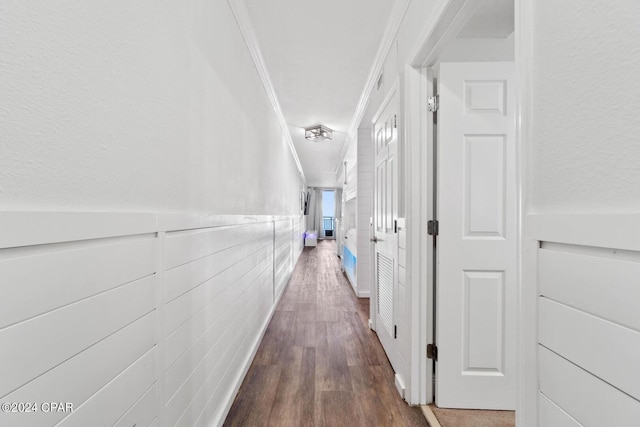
139,105
585,152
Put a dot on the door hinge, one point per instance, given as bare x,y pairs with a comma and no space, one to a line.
395,225
395,331
433,102
432,352
395,121
433,227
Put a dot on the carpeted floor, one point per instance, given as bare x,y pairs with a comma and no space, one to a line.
474,418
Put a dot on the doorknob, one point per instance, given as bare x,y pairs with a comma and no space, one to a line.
375,239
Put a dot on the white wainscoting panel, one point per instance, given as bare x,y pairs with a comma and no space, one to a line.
98,365
136,319
117,396
79,320
586,398
298,237
607,350
364,212
36,283
283,250
19,229
588,324
550,414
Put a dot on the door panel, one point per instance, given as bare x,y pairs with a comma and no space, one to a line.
476,205
484,186
386,212
384,274
390,175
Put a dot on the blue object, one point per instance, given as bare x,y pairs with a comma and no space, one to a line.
350,261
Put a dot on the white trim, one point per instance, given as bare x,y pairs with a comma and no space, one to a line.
364,294
239,10
388,38
527,352
418,249
27,228
39,228
400,385
527,382
615,231
175,221
160,329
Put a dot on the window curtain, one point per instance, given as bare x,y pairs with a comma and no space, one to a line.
314,219
311,211
338,201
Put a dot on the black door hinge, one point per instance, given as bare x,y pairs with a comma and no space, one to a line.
433,227
395,331
432,352
395,225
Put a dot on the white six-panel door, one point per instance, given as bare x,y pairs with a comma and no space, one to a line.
385,139
476,204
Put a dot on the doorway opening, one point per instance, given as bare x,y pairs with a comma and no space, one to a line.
466,159
328,214
475,205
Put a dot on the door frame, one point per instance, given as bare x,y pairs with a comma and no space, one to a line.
418,211
527,398
448,18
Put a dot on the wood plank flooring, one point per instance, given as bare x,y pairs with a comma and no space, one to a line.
319,364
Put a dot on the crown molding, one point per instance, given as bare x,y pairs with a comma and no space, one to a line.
391,31
239,10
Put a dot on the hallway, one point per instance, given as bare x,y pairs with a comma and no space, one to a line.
318,363
162,163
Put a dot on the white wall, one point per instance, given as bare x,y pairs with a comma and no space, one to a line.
479,50
415,19
147,107
585,155
136,106
578,63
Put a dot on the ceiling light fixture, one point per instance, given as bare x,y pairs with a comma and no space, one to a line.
318,133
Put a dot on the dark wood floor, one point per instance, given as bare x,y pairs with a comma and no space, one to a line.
319,364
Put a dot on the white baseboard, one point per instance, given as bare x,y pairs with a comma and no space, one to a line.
400,385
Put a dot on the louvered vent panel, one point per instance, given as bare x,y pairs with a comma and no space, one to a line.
385,290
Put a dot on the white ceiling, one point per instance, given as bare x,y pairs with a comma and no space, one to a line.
318,54
495,19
